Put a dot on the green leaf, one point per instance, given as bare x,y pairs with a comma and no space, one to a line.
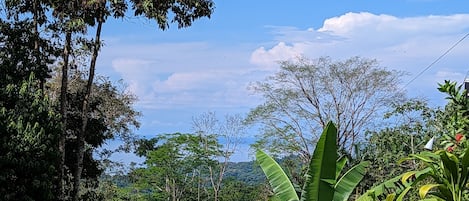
390,197
432,199
322,167
279,181
347,183
393,185
465,166
403,194
339,166
408,175
450,162
422,157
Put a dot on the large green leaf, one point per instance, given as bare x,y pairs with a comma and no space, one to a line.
340,166
384,189
450,164
279,181
322,167
347,183
464,167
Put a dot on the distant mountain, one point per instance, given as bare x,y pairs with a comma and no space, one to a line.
247,172
251,173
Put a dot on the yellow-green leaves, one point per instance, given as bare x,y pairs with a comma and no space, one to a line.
425,188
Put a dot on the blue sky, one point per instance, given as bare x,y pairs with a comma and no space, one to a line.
181,73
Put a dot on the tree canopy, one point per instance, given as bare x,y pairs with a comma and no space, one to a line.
305,94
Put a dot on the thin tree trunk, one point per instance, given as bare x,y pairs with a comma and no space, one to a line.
84,111
63,113
36,44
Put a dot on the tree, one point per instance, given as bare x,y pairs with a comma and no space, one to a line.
29,136
72,18
229,131
413,124
305,94
442,175
235,190
454,119
176,166
111,117
29,126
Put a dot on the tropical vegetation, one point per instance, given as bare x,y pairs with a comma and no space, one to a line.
57,115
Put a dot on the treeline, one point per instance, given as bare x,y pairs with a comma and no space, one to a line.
54,111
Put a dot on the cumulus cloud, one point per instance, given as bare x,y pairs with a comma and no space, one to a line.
268,59
402,43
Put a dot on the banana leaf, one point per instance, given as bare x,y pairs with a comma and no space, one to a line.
347,183
322,167
277,178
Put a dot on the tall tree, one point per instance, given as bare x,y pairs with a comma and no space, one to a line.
305,94
29,126
229,131
70,18
111,117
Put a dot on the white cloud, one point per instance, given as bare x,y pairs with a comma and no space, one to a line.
268,59
184,75
364,25
410,44
445,74
200,74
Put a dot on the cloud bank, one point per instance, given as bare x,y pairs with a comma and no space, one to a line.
208,75
408,44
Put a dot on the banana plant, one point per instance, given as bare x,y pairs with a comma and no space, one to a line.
322,179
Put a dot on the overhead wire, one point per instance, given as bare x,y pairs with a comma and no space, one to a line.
438,59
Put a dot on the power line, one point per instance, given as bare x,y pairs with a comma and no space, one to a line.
438,59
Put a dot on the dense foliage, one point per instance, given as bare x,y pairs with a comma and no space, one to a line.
63,121
28,123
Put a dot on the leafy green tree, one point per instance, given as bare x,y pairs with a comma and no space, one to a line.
111,117
440,175
28,151
454,120
413,124
234,190
70,20
305,94
29,126
176,166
